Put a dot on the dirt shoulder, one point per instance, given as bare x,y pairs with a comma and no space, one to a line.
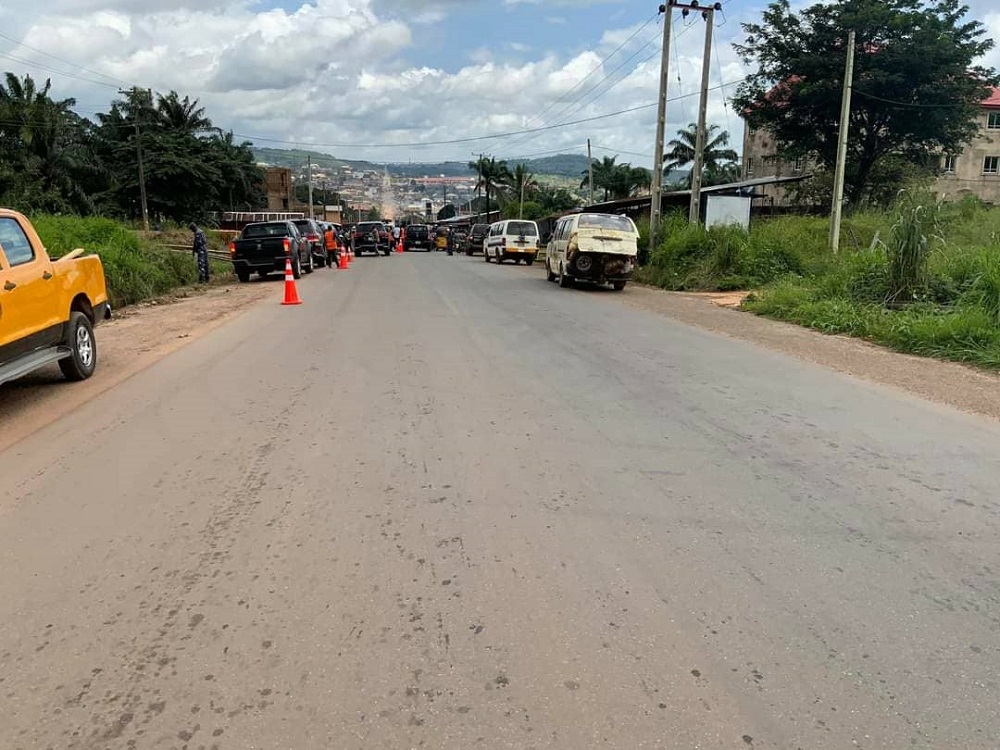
137,337
956,385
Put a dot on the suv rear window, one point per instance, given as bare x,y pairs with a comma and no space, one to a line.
265,230
525,228
606,221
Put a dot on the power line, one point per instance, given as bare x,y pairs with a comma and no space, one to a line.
914,105
573,107
50,69
598,67
117,81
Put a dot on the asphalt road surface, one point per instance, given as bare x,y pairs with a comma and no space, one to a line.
448,505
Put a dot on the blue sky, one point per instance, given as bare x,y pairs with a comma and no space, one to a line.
394,80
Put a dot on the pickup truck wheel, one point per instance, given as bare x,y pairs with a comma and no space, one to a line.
310,266
618,285
263,274
297,268
243,274
81,364
529,261
486,256
549,276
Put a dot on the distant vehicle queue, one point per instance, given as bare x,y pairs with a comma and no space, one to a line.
591,247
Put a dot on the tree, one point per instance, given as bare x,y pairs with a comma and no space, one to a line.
494,177
626,181
183,115
916,89
717,158
616,180
604,171
45,155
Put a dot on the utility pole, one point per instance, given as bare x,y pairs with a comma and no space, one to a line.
694,214
845,123
656,186
309,172
590,172
144,205
479,187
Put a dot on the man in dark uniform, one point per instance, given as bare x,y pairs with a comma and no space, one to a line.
200,250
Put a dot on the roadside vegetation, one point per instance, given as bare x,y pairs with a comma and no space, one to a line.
920,277
136,268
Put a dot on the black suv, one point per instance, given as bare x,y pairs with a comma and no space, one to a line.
367,237
477,236
417,236
313,232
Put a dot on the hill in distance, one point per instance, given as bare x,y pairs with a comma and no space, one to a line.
560,165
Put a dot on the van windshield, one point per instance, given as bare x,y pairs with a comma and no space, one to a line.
606,221
522,228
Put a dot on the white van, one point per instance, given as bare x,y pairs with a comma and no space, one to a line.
513,238
601,248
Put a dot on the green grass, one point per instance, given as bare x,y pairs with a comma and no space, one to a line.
135,269
930,286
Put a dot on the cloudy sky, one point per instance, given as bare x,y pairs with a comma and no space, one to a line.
394,80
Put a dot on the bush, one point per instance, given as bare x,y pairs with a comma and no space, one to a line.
134,272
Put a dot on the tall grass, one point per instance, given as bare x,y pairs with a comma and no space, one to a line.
930,287
134,270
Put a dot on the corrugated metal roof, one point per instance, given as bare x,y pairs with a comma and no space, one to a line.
993,100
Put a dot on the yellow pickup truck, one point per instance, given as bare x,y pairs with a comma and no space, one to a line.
48,308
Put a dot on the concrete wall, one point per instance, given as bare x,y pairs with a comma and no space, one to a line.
967,177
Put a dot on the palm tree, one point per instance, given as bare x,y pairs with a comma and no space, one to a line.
182,114
46,147
604,175
494,178
627,180
715,155
522,182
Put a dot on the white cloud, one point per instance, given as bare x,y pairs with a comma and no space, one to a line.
330,72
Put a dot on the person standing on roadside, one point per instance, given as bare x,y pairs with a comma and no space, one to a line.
200,251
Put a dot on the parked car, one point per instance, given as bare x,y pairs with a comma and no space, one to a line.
48,308
476,238
263,247
600,248
417,236
370,236
313,232
514,239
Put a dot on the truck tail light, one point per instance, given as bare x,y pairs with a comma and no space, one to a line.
232,248
288,246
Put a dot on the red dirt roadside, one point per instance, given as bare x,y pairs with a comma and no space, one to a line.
137,337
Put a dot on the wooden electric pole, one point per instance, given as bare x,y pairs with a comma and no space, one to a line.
590,172
694,214
836,210
309,172
656,186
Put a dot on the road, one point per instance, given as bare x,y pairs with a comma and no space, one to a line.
447,505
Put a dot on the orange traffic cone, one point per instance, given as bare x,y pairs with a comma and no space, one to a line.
399,246
343,262
291,294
